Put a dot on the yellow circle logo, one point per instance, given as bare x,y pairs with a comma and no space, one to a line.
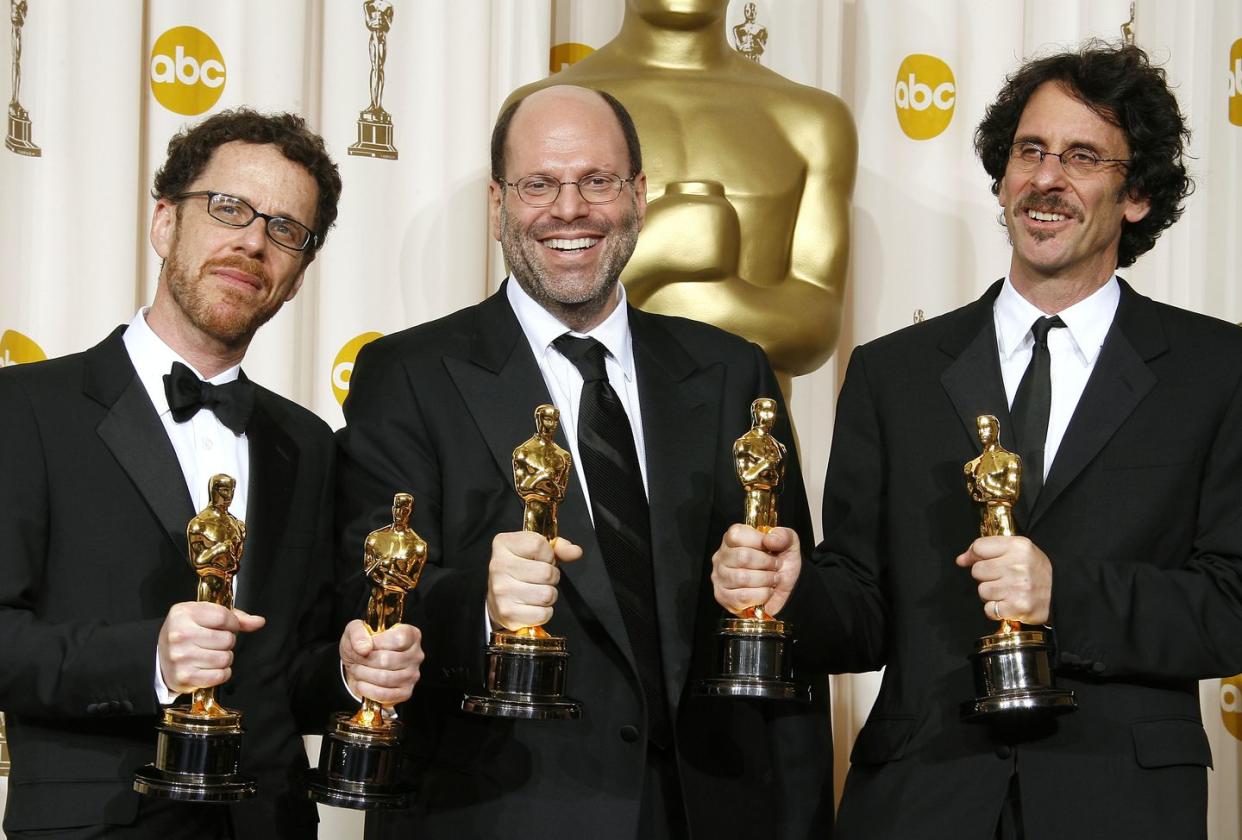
17,349
187,71
1231,705
563,55
1235,82
343,365
925,95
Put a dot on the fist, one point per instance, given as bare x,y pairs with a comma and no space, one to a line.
522,576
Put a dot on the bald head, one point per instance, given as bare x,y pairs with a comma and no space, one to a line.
547,109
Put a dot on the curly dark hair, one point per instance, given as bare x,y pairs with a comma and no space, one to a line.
1119,83
500,135
190,150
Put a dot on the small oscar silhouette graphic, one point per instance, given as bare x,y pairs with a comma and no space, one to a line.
374,123
18,138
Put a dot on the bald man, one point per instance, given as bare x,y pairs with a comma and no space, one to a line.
438,409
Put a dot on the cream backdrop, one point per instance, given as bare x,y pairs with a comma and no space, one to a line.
412,243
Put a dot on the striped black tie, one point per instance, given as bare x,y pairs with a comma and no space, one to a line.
622,521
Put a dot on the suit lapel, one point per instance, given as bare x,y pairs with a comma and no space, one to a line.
1118,383
501,385
973,380
132,431
680,417
273,469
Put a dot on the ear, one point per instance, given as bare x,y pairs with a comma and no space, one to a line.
1136,208
495,195
640,197
163,227
297,283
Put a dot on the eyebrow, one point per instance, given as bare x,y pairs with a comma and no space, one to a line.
1077,144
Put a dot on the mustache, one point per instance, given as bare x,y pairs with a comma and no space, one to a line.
583,226
237,261
1048,204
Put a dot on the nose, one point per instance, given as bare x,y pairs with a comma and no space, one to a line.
252,239
569,204
1050,174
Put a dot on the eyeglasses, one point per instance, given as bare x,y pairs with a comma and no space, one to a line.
235,212
1077,162
543,190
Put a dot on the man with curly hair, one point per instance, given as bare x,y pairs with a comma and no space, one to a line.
106,455
1126,413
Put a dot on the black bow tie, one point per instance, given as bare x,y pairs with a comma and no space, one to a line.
231,402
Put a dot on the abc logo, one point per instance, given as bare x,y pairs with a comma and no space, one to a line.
1231,705
343,364
187,70
562,55
17,349
924,95
1235,82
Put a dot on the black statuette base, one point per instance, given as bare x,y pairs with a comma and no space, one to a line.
1013,678
196,760
754,658
359,767
525,680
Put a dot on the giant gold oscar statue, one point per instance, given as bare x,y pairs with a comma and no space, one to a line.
198,746
749,177
754,650
526,666
1013,666
360,759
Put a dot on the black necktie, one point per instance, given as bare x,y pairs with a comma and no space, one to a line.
622,521
1030,412
231,402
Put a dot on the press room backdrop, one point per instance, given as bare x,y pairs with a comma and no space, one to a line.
97,89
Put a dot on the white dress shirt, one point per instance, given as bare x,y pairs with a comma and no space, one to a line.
1073,350
565,382
204,446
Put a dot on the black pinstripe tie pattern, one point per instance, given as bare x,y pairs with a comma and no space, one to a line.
1031,406
622,520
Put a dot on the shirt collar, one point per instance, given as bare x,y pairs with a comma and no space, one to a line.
1087,321
152,359
542,328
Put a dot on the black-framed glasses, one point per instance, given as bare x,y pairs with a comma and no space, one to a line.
236,212
543,190
1076,161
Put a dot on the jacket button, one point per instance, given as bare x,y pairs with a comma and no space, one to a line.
629,733
92,708
1003,751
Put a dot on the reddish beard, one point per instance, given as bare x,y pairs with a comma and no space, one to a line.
227,315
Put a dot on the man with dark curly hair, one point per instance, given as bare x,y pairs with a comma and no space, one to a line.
1126,413
105,457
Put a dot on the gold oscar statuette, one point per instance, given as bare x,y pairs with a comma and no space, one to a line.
18,138
360,759
374,123
1012,666
198,748
754,650
526,666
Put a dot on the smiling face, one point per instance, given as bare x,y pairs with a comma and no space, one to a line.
1066,229
568,255
219,284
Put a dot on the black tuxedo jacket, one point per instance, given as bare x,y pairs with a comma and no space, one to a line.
1141,516
437,410
93,512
